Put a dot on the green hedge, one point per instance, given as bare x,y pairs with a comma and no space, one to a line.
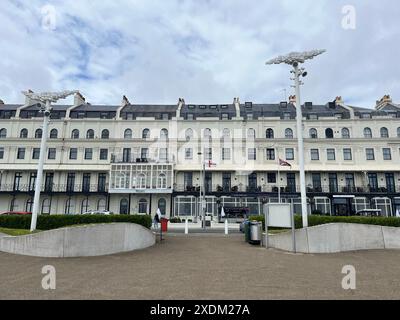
314,220
49,222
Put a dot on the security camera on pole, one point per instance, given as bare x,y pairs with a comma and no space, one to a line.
46,98
294,59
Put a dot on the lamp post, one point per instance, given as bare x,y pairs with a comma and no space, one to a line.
294,59
46,98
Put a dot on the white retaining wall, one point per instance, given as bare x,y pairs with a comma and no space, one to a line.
338,237
81,241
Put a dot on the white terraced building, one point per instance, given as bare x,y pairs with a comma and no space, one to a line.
133,158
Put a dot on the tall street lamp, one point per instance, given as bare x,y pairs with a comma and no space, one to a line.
46,98
294,59
203,187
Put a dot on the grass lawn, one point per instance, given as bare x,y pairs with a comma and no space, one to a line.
16,232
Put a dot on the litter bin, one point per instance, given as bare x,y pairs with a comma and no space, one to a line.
255,232
246,230
164,224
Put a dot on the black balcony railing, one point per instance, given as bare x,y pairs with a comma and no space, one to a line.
289,189
56,188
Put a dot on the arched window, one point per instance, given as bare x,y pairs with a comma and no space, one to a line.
101,205
367,133
328,133
141,181
128,134
146,134
226,133
46,206
123,206
162,205
207,134
29,205
53,134
313,133
3,133
70,206
75,134
345,133
90,134
162,181
289,133
142,206
398,132
269,133
384,132
251,133
23,133
188,134
38,133
85,206
105,134
164,133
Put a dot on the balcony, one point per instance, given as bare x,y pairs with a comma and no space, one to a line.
55,188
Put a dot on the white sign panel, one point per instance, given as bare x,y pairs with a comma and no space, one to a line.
279,214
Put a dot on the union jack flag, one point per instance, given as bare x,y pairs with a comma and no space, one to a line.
283,163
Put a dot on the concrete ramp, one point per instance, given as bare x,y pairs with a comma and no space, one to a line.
338,237
81,241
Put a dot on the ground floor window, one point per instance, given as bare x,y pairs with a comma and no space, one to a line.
46,205
185,206
29,205
143,206
384,204
85,205
162,205
322,205
359,203
123,206
101,205
14,205
70,206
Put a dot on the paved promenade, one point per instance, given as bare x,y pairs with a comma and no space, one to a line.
204,267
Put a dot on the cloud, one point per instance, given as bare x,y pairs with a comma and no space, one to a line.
205,51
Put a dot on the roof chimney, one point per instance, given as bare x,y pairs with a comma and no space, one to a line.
384,101
236,103
125,101
292,99
79,99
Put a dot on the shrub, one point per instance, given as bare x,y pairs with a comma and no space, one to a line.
175,220
314,220
48,222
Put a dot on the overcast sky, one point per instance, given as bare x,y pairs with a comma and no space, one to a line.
204,51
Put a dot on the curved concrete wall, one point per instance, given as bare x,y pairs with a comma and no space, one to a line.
81,241
338,237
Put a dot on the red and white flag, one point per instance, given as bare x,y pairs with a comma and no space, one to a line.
284,163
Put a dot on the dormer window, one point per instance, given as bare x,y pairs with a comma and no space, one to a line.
224,106
248,105
286,116
313,116
224,116
213,107
202,107
81,115
164,116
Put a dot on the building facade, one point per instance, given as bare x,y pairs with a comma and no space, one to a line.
133,158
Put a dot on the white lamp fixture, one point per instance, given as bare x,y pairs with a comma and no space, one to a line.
294,59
